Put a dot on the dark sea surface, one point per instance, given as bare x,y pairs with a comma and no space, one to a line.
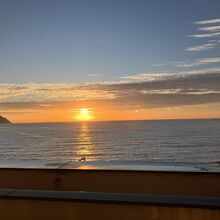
185,141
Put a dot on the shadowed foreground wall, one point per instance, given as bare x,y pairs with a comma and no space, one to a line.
25,205
148,182
39,209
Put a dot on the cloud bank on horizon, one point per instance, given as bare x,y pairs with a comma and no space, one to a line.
140,91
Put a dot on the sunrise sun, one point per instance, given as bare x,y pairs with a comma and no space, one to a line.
84,114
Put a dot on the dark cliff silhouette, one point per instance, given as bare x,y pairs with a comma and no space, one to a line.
4,120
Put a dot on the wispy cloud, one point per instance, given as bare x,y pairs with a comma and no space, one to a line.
210,21
187,64
93,75
212,32
199,62
209,60
169,76
50,91
205,35
210,28
201,47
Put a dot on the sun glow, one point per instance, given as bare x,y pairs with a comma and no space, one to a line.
84,115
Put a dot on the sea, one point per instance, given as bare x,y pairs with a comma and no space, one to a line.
184,141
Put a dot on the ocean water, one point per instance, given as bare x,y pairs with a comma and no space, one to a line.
186,141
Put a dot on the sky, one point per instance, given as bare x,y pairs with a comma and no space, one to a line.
119,59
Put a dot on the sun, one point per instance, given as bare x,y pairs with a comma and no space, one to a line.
84,114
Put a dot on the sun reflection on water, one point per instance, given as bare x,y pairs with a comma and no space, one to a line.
86,146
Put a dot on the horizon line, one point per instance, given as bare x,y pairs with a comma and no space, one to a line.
122,120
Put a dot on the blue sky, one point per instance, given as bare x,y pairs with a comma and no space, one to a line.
69,41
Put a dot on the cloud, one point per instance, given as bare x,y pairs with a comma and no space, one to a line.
149,77
93,75
39,92
205,35
211,28
145,90
187,64
211,21
184,81
211,32
201,47
199,62
209,60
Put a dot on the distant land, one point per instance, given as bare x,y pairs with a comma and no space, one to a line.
4,120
